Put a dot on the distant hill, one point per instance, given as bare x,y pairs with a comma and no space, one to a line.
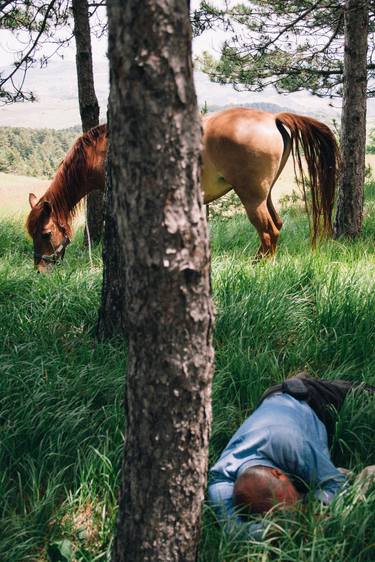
264,106
34,152
55,87
272,108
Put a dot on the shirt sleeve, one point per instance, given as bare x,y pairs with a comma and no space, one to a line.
221,498
319,472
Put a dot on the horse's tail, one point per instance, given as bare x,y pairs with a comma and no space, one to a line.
318,144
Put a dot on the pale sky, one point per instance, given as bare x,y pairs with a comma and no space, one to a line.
56,88
211,40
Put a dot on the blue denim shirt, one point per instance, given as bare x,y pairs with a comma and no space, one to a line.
282,432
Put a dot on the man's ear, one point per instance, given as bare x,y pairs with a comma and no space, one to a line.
32,199
279,474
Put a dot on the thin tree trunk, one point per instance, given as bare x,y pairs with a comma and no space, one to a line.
94,216
88,106
112,313
349,215
155,135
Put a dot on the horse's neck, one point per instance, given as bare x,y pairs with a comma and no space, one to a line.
70,197
83,188
65,196
73,181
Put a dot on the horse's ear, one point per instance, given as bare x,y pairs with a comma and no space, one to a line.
63,227
47,208
32,199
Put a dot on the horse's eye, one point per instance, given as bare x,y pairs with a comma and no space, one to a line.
46,235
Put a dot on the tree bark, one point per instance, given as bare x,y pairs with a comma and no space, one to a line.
349,214
155,135
88,106
112,313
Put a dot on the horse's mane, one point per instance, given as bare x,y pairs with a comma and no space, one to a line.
62,193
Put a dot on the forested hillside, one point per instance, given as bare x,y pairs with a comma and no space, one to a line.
34,152
38,152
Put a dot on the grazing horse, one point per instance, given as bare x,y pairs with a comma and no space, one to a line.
49,222
243,149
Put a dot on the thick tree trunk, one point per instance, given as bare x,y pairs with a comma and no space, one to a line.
88,106
155,135
349,215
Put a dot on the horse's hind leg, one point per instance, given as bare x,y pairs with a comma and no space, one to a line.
267,230
274,215
260,216
287,148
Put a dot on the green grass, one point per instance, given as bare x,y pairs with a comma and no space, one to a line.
61,419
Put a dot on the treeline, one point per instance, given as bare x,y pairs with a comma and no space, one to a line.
38,152
34,152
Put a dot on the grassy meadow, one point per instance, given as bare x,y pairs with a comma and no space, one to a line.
14,193
61,392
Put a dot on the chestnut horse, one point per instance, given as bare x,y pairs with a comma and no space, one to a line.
243,149
49,222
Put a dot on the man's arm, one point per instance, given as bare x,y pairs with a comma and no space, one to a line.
320,472
220,494
221,497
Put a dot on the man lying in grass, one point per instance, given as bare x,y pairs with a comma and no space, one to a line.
280,453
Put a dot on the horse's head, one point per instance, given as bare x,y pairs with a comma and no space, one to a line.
50,236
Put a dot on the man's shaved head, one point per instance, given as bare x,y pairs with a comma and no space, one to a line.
260,488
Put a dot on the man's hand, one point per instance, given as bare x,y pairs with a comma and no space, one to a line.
365,478
345,471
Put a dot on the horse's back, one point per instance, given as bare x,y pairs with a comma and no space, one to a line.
243,145
243,127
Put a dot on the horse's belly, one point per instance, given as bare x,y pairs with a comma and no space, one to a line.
214,184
